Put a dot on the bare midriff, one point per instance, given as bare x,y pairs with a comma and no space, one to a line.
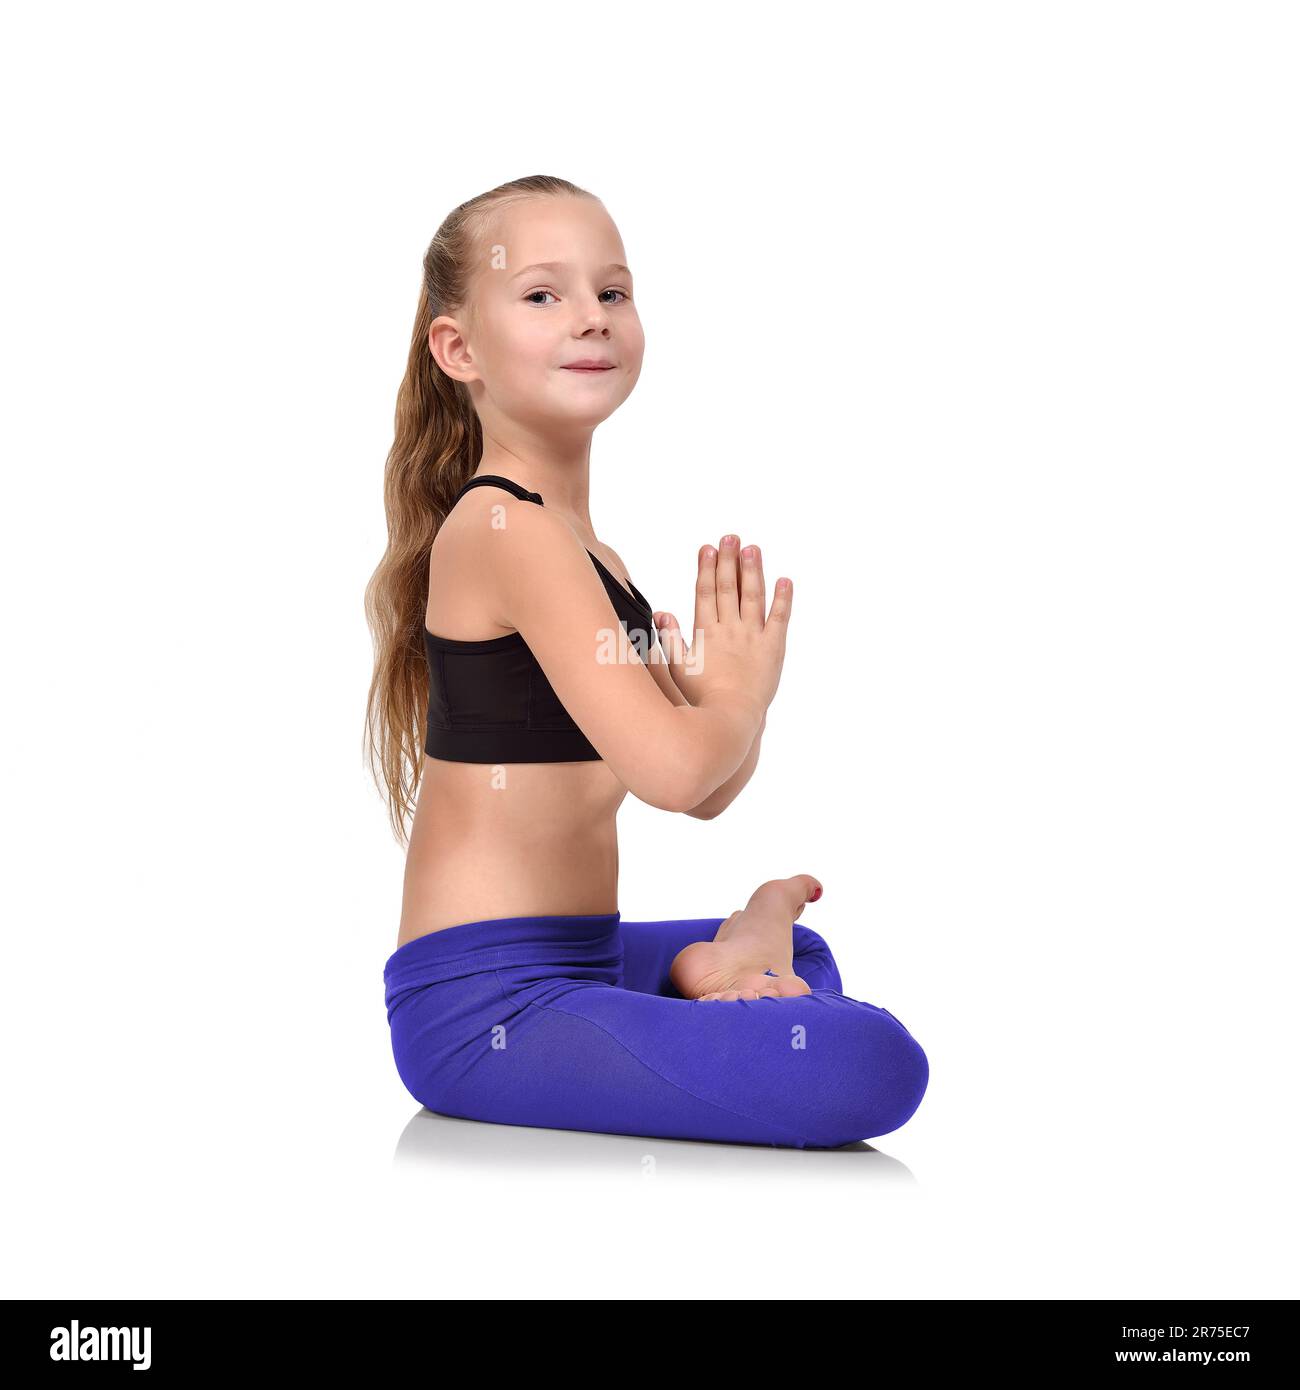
510,840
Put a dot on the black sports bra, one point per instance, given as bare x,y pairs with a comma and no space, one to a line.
490,701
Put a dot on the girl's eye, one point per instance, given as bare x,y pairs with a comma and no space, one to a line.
531,298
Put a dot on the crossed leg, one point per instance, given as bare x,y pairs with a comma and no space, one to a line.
614,1047
819,1070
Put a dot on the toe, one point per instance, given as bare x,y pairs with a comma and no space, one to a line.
804,889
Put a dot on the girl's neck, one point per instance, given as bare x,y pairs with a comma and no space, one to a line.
562,481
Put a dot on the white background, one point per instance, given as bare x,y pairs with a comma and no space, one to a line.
980,319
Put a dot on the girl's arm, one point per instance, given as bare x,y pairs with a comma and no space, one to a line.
722,796
670,756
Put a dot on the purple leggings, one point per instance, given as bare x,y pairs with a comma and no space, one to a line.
573,1023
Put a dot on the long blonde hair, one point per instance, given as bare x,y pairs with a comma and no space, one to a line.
437,445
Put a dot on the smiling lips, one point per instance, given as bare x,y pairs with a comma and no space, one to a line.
588,364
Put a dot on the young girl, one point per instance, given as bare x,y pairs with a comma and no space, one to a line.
511,642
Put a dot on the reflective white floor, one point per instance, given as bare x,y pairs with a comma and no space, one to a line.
262,1165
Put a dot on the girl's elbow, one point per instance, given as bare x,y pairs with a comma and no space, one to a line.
675,795
669,787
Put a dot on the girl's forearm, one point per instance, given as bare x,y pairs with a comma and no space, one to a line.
718,800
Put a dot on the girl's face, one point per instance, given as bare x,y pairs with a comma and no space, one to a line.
554,292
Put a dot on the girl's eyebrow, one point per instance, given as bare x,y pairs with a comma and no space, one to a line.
563,265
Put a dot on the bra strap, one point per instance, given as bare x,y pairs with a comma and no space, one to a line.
495,480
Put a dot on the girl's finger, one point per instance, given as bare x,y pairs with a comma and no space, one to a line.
753,597
778,620
672,642
706,588
728,580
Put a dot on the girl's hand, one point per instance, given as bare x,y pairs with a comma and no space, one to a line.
729,587
674,649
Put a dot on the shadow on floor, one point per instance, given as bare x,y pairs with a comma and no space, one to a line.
440,1141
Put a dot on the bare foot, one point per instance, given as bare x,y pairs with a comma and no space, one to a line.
752,955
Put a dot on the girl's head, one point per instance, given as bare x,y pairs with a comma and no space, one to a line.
518,292
519,283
